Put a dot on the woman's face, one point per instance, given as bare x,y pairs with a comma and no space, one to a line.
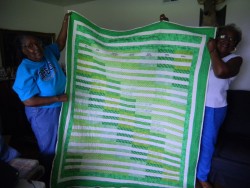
32,48
226,42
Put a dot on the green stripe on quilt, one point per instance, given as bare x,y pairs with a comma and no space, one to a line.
135,109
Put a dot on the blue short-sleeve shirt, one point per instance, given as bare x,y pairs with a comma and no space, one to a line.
44,78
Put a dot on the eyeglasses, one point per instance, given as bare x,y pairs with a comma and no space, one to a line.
32,45
226,37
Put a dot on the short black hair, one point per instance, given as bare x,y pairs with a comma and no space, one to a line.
19,43
233,28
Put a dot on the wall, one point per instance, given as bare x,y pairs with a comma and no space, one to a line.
124,15
238,12
31,16
128,14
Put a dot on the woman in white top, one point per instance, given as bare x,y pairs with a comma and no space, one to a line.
225,66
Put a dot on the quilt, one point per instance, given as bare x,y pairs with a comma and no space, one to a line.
135,109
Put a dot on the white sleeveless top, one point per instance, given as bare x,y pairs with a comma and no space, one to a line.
217,88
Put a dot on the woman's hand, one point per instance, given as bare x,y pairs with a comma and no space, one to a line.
211,45
66,17
62,98
61,39
42,101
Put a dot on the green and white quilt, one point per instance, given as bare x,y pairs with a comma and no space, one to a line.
136,104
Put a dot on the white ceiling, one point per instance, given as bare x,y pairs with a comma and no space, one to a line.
64,2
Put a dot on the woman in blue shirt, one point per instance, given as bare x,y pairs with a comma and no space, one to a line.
40,84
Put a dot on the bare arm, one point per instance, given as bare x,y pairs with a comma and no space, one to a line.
42,101
61,39
220,68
